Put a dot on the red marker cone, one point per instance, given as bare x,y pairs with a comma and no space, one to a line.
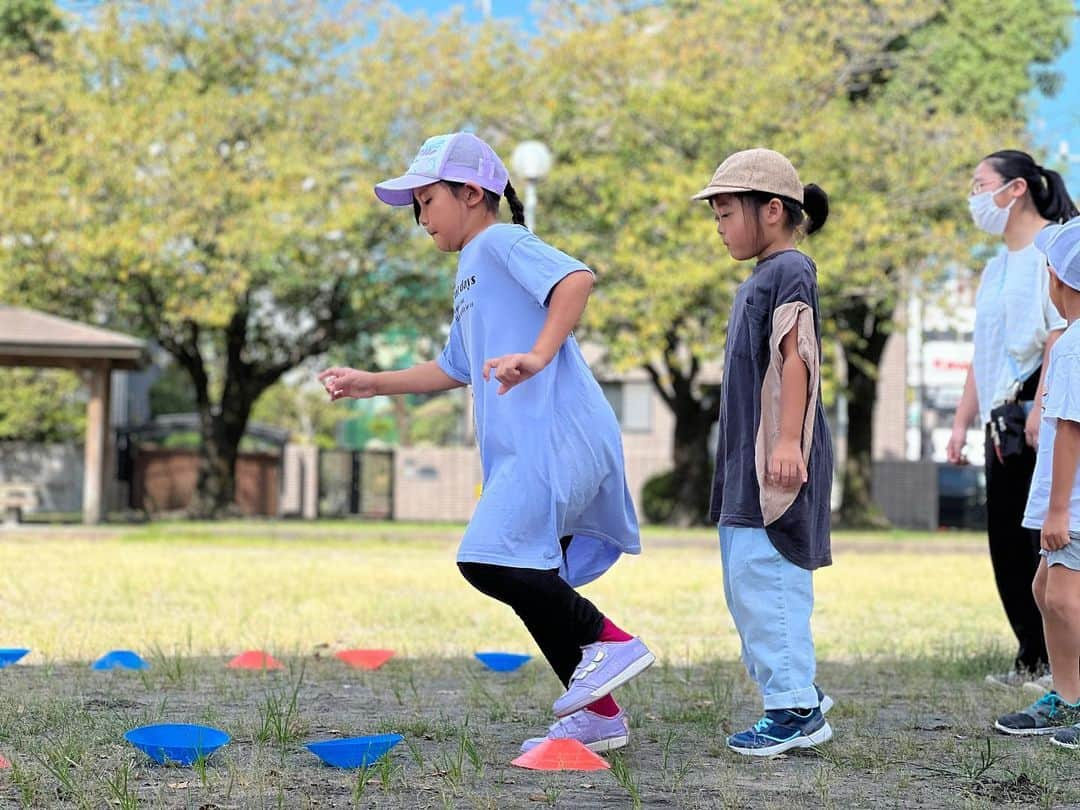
365,659
255,659
4,764
561,755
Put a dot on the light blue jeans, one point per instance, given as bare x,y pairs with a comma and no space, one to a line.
771,599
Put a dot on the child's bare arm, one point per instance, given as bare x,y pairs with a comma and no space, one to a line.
1031,426
1055,531
564,311
424,378
786,466
565,308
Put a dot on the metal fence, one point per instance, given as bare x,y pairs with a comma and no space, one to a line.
356,483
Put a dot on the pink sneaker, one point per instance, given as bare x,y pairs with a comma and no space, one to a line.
594,731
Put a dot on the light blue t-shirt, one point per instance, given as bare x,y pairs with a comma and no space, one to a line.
550,447
1061,401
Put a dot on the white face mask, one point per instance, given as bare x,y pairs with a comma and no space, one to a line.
986,213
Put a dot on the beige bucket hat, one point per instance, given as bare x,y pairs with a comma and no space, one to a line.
755,170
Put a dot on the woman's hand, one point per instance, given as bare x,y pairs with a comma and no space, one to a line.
955,450
786,467
514,369
348,382
1031,427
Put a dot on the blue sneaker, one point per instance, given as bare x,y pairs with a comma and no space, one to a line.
781,730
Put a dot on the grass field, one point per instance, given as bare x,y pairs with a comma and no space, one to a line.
906,627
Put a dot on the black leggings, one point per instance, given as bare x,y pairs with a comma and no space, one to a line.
560,620
1014,551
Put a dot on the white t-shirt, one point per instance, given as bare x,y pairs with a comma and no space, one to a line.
1061,401
1013,318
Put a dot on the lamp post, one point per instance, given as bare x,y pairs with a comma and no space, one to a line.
531,160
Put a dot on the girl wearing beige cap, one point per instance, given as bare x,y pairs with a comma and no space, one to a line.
774,463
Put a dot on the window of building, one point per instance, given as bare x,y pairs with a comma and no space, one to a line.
632,403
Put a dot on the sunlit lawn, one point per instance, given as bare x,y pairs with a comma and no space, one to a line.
906,624
209,589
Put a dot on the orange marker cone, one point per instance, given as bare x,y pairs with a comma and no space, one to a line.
4,764
255,659
561,755
365,659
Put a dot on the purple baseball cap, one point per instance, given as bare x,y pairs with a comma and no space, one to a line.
459,156
1061,244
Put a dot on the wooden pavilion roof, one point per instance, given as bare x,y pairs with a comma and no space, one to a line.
32,338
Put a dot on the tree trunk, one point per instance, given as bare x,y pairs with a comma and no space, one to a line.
870,327
693,464
402,420
223,427
216,490
694,410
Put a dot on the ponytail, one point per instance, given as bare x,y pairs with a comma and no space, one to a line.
816,206
517,209
1059,206
807,216
1046,187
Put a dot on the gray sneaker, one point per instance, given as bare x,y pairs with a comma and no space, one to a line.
1040,686
1014,677
824,701
604,666
1067,737
1045,716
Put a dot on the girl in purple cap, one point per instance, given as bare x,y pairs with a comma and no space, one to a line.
555,512
774,461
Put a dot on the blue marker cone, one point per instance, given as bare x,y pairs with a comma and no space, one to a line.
179,743
502,661
10,655
355,752
120,659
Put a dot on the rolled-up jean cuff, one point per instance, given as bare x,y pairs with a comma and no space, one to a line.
795,699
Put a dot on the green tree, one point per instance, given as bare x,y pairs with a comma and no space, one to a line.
27,26
641,103
171,392
301,409
41,405
35,405
962,72
201,172
438,420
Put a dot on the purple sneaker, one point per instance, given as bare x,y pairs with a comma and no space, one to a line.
594,731
605,665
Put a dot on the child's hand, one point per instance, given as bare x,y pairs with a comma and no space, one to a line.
348,382
1055,530
786,467
512,369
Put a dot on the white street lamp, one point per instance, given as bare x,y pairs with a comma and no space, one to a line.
531,160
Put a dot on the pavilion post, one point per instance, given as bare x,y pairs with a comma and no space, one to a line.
97,443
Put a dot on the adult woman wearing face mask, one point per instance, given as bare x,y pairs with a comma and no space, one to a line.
1015,326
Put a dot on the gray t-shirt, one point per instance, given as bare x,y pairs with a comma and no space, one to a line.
801,534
